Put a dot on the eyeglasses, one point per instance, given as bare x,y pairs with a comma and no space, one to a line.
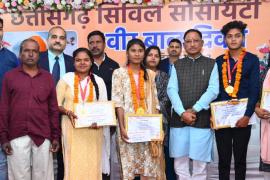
194,41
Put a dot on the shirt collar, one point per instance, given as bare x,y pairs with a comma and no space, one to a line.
170,61
21,70
230,57
104,57
52,55
200,55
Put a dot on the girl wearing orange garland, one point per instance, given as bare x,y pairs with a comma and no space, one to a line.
82,148
133,87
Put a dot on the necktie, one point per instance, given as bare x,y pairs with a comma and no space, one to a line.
56,70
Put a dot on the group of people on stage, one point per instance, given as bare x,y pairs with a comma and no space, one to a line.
38,95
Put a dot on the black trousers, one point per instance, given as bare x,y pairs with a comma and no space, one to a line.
60,165
232,140
105,177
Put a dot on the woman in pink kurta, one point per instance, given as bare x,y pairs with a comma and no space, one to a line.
264,116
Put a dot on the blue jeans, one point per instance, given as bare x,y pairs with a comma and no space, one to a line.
3,166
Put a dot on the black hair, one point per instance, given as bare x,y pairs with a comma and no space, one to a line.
193,30
96,33
140,43
176,41
82,49
92,77
28,40
234,25
1,21
147,51
268,61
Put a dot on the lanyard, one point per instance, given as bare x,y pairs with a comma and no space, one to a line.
83,90
229,70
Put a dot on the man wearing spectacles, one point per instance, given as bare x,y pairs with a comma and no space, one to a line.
193,85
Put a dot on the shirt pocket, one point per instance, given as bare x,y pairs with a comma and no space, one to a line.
42,93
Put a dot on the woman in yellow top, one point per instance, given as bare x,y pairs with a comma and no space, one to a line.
82,148
133,87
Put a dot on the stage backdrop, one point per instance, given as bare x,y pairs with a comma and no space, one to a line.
155,25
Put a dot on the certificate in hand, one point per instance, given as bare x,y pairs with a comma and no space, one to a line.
144,128
225,114
102,113
265,102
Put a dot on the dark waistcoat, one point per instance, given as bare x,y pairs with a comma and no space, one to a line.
193,79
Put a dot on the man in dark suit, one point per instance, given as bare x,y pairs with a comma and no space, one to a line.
174,51
57,63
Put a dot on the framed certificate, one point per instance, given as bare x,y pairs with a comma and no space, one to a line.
225,114
144,127
265,101
102,113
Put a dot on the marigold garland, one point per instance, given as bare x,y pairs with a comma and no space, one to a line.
90,97
238,72
141,103
11,6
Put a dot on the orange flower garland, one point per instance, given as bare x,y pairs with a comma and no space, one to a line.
90,97
238,72
141,103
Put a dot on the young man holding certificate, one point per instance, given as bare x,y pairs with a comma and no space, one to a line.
239,78
193,85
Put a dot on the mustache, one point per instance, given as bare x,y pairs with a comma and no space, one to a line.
95,49
57,43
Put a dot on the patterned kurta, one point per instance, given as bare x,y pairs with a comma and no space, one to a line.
136,158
